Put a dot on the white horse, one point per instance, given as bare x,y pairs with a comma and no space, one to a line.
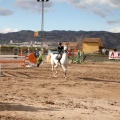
64,62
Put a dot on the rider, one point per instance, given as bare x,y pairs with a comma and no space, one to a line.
60,51
36,53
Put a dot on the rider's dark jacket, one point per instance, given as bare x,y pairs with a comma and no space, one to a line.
60,49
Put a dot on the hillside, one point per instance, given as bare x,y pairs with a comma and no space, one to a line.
109,39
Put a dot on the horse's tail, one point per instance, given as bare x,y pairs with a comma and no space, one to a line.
48,57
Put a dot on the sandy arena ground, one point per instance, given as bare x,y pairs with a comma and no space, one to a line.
91,92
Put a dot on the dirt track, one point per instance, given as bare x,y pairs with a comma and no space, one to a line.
91,92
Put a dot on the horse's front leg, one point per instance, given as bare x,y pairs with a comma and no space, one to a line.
65,74
65,70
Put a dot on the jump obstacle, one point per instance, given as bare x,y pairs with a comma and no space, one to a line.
76,56
22,60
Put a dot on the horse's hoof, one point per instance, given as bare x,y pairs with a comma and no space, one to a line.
55,76
65,77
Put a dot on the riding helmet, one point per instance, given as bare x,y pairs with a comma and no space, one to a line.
59,43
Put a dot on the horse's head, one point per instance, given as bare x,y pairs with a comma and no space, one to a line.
65,48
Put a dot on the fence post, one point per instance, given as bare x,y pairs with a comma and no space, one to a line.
83,56
78,57
72,56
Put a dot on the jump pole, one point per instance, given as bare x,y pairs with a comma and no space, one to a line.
10,59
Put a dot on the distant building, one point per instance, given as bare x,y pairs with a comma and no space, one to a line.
90,45
72,45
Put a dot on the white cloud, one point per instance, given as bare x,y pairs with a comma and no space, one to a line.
99,7
32,5
111,22
102,8
7,30
115,3
92,3
115,30
5,12
98,12
103,13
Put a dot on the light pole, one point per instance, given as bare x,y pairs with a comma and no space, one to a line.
42,22
0,63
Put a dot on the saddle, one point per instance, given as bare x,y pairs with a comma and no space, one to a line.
58,57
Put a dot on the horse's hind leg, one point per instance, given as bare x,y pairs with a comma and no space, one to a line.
54,69
55,74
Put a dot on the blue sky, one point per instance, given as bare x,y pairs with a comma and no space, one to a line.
86,15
